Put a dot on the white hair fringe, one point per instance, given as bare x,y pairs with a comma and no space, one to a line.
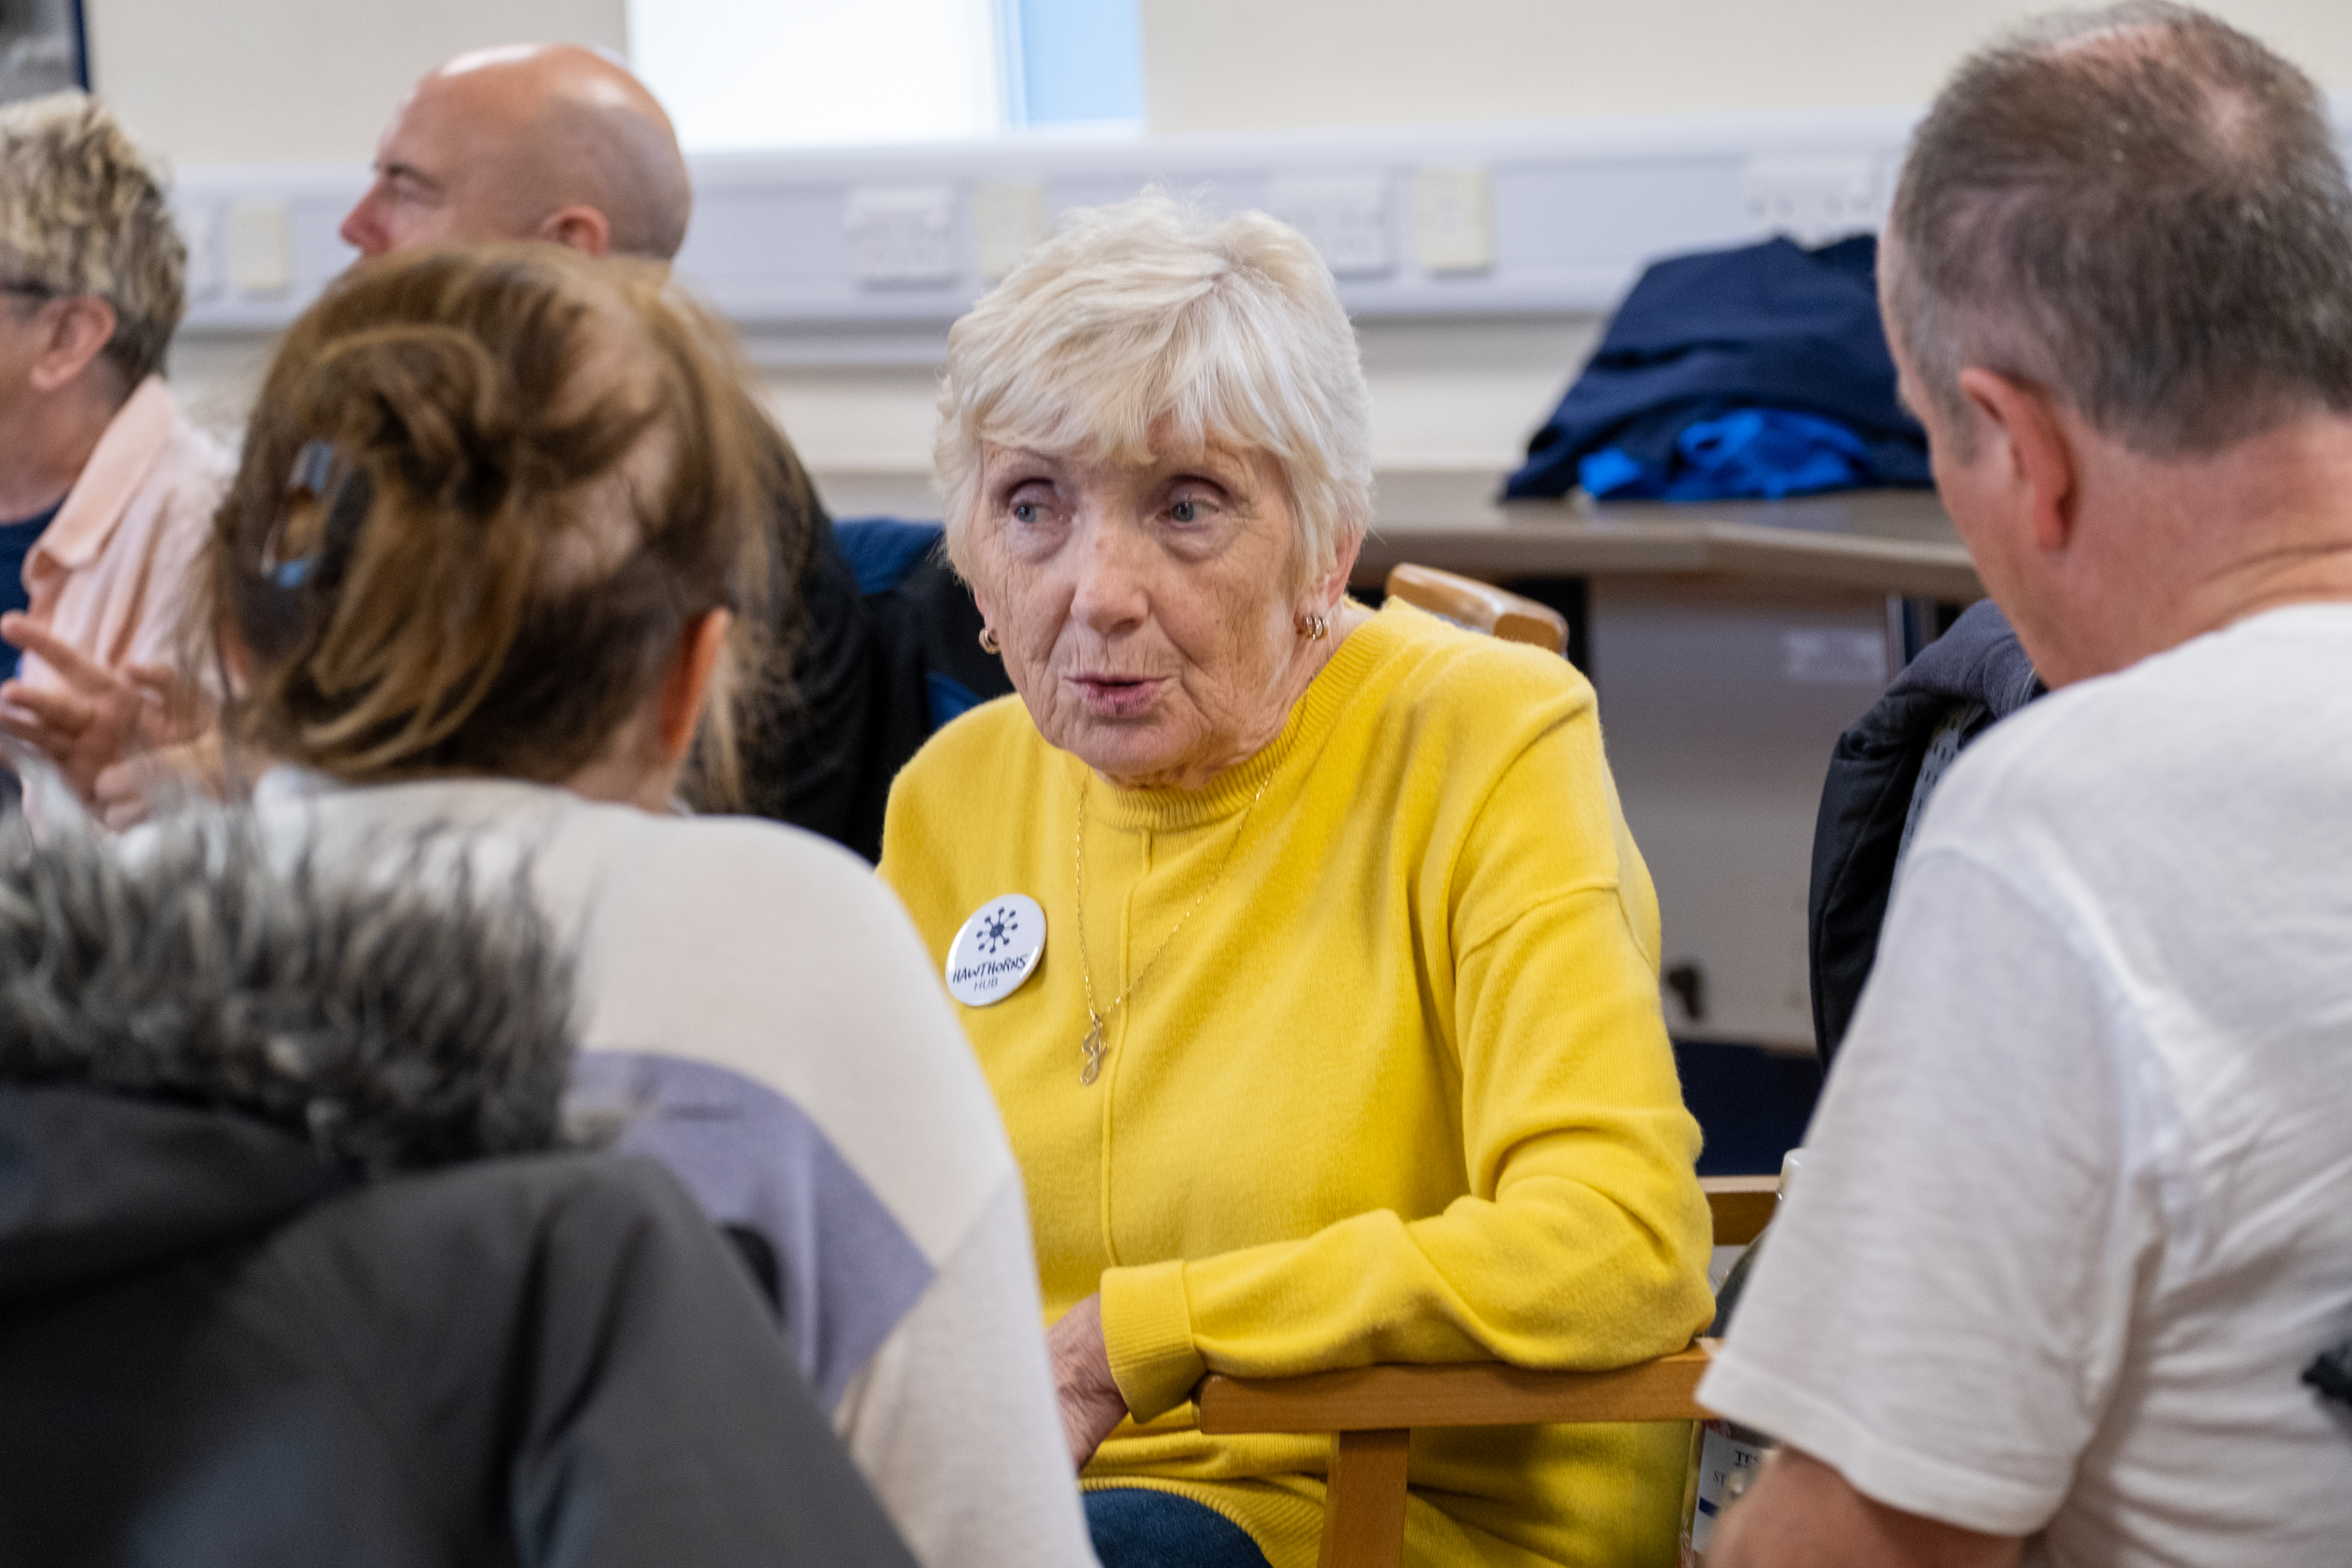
1150,327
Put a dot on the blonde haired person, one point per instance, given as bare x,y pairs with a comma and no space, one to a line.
1344,1044
113,488
477,570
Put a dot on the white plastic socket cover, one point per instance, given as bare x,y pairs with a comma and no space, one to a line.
1815,199
1344,217
901,236
1452,220
1008,221
260,250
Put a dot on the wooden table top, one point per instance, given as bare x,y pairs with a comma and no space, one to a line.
1893,542
1889,541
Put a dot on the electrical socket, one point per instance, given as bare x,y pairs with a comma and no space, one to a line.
1008,221
260,251
1816,199
1344,217
901,236
1452,220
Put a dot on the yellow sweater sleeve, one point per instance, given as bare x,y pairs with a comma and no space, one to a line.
1583,1239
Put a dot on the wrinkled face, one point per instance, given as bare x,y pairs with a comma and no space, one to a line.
1149,612
434,177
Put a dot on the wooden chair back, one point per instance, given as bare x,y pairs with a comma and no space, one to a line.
1371,1411
1480,606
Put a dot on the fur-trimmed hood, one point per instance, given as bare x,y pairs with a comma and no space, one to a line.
195,1041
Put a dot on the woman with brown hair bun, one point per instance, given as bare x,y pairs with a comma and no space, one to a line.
477,571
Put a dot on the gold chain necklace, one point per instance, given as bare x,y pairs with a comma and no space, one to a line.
1094,1045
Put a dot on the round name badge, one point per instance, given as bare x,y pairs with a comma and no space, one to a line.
998,949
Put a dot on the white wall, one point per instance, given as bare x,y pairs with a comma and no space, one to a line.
270,81
1219,65
1446,396
236,81
277,80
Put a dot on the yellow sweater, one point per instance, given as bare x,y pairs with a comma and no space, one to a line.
1399,1090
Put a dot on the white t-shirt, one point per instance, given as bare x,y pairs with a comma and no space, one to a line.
2077,1207
759,1015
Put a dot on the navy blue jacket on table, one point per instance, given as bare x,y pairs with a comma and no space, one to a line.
1757,371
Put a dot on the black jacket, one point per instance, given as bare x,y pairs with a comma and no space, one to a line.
283,1282
808,740
1974,675
865,690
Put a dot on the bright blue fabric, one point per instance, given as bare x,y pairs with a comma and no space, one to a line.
1753,454
951,698
1137,1528
881,550
1702,338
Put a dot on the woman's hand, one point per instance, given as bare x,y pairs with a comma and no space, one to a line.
1091,1402
128,792
100,716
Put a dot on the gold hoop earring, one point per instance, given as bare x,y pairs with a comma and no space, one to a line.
1315,628
988,642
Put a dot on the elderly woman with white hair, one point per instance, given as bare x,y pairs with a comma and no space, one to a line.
1304,947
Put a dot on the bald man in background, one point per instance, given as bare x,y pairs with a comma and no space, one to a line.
561,143
534,142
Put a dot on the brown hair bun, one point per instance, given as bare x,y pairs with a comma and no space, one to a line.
483,494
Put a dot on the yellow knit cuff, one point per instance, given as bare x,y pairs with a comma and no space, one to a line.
1147,1328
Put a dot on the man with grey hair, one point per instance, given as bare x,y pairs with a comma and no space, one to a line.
2074,1228
111,486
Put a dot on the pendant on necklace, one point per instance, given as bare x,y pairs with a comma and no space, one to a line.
1093,1048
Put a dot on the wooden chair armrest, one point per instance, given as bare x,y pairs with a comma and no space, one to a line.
1371,1411
1474,1393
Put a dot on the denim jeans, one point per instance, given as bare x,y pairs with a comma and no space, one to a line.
1136,1528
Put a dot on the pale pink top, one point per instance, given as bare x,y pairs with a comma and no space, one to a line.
113,573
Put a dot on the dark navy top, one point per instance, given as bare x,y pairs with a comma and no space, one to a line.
17,542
